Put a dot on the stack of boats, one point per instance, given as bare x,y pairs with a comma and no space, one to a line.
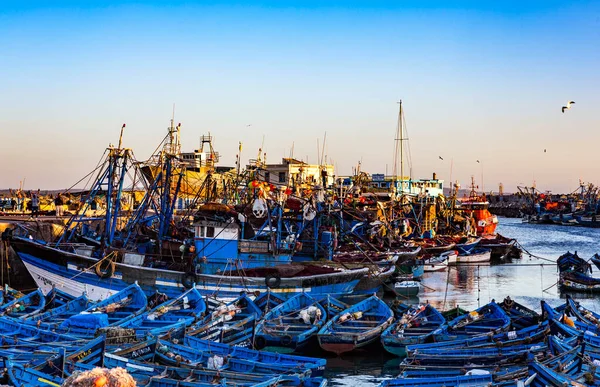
575,273
192,341
503,344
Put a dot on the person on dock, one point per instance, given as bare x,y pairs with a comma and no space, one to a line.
35,205
20,201
58,205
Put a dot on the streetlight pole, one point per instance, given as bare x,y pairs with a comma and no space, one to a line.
481,164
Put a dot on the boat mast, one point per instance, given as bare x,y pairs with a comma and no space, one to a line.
399,151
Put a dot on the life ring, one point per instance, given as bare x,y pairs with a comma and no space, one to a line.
105,268
260,342
273,281
188,280
286,340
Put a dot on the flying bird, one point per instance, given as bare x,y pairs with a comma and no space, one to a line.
441,158
568,106
478,161
544,151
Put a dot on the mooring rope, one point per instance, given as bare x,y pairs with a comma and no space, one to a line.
532,255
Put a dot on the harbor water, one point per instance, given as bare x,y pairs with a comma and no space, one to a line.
528,281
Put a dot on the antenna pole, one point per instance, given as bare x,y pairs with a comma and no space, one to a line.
121,136
318,153
401,145
323,151
482,189
451,165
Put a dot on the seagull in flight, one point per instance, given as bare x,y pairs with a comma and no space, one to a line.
568,106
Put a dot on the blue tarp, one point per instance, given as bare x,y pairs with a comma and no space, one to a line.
86,321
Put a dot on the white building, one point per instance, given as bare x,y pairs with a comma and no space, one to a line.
292,172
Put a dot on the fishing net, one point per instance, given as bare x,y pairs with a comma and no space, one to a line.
100,377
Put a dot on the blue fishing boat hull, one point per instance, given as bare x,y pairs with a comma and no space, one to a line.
338,337
316,365
416,326
282,330
75,275
451,381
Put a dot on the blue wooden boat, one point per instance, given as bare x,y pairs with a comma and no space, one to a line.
333,306
589,318
92,354
547,377
399,308
163,382
143,371
532,334
14,331
56,316
573,262
452,381
22,306
171,354
57,297
467,244
267,301
579,282
54,299
19,375
596,260
131,301
487,356
229,323
416,326
316,365
520,316
176,355
186,309
355,327
291,326
490,318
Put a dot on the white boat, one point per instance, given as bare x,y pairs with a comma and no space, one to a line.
475,256
440,262
407,288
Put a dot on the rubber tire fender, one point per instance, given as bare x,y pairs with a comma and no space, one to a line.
188,280
259,342
273,281
105,269
286,340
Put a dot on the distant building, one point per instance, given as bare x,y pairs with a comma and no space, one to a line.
292,172
430,187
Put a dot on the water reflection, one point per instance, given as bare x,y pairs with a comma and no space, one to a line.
528,281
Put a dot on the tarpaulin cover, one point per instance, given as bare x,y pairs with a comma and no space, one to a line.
86,321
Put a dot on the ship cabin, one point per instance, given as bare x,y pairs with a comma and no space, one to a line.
219,247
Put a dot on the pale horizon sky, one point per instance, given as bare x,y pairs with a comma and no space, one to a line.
478,82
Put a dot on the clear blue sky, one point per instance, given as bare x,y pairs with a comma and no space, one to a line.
479,80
